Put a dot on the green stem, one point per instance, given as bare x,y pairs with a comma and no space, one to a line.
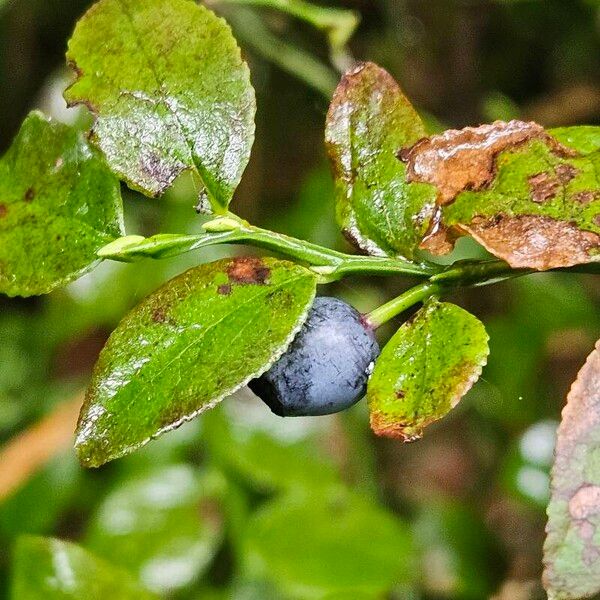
329,264
466,274
338,25
471,273
398,305
252,31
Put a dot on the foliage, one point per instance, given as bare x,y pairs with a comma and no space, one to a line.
173,116
425,369
570,547
60,205
49,568
194,341
170,94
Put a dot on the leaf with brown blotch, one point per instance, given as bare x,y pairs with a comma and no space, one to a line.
529,196
194,341
425,369
169,92
572,547
368,120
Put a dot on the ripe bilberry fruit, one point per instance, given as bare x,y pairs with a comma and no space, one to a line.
326,367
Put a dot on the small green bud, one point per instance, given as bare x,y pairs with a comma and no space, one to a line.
221,224
115,248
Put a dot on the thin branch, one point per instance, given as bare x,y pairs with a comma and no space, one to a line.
251,30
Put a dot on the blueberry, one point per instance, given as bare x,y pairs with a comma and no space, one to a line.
326,367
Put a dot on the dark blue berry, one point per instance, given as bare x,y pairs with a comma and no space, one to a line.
326,367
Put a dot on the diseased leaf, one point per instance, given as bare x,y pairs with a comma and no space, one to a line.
165,526
583,138
369,120
59,204
425,369
51,569
194,341
530,198
170,92
572,547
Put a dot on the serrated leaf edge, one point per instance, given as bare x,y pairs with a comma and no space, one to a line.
276,356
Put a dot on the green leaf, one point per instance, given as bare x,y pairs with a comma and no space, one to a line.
194,341
38,505
268,452
170,92
425,369
352,595
59,204
583,138
163,526
572,548
50,569
369,121
315,544
529,197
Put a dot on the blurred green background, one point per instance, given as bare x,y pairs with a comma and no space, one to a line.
241,504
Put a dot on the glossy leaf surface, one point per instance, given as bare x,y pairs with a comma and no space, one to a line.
529,196
194,341
368,122
59,204
425,369
170,92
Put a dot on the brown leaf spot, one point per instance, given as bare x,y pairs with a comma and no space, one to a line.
585,503
536,242
3,210
464,159
159,315
248,270
224,289
29,195
586,197
76,68
544,187
565,173
439,240
400,394
160,170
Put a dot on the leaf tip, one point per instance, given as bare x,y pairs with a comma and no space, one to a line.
382,426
